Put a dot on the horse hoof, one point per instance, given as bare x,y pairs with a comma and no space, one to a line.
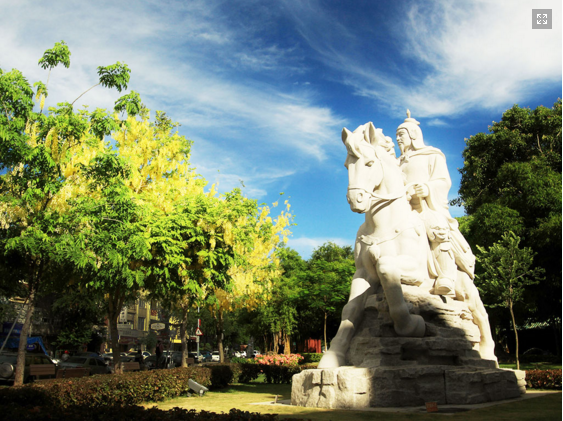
331,359
416,328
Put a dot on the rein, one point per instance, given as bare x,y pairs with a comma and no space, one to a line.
389,198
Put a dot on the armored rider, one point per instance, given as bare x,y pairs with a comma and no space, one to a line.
428,183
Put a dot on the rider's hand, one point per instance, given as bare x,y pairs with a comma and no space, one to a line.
421,190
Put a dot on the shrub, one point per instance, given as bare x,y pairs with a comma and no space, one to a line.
126,413
279,359
543,379
279,368
237,360
113,390
222,375
311,358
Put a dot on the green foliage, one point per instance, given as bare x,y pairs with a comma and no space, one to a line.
131,413
113,390
543,379
507,270
115,76
102,124
130,103
311,358
73,315
511,180
59,54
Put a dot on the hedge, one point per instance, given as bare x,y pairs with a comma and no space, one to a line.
109,390
543,379
126,413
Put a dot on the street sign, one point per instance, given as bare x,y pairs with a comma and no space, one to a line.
157,326
198,332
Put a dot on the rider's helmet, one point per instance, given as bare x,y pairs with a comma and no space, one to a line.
413,129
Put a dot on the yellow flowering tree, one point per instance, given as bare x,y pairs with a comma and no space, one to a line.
252,279
37,152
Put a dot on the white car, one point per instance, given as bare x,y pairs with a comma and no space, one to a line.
215,357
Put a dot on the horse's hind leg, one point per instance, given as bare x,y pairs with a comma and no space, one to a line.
352,315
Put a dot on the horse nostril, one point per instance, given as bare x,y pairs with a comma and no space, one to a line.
348,199
360,197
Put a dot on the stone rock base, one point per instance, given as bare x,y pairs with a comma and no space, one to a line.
357,387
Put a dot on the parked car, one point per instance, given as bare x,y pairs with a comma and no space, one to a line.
8,362
150,362
108,358
536,351
215,356
256,353
194,356
96,364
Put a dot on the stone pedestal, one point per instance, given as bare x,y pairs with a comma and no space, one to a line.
354,387
385,370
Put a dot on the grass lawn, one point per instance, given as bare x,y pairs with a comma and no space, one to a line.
245,396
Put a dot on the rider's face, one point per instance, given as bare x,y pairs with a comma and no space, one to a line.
404,140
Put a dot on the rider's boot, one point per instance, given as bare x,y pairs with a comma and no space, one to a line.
444,286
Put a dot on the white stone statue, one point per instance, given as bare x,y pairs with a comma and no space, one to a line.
408,237
414,329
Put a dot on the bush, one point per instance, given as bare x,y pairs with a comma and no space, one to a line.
279,368
279,359
543,379
126,413
237,360
108,390
222,375
311,358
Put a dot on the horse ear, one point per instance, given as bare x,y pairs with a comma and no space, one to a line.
372,138
345,134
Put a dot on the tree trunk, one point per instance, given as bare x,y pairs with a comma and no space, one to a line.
287,348
114,307
326,344
220,335
515,334
20,365
276,342
184,337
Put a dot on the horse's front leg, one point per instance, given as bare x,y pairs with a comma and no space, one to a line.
352,315
389,270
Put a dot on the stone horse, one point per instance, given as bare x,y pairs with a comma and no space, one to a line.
391,246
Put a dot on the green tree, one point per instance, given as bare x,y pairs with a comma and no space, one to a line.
511,180
330,272
276,320
507,271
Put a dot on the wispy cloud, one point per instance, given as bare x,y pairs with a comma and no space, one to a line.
194,60
451,57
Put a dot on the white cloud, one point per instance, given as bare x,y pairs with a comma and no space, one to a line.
193,61
451,57
437,122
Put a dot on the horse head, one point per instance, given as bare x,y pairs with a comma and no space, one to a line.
365,171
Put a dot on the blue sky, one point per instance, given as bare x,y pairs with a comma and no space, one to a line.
263,88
